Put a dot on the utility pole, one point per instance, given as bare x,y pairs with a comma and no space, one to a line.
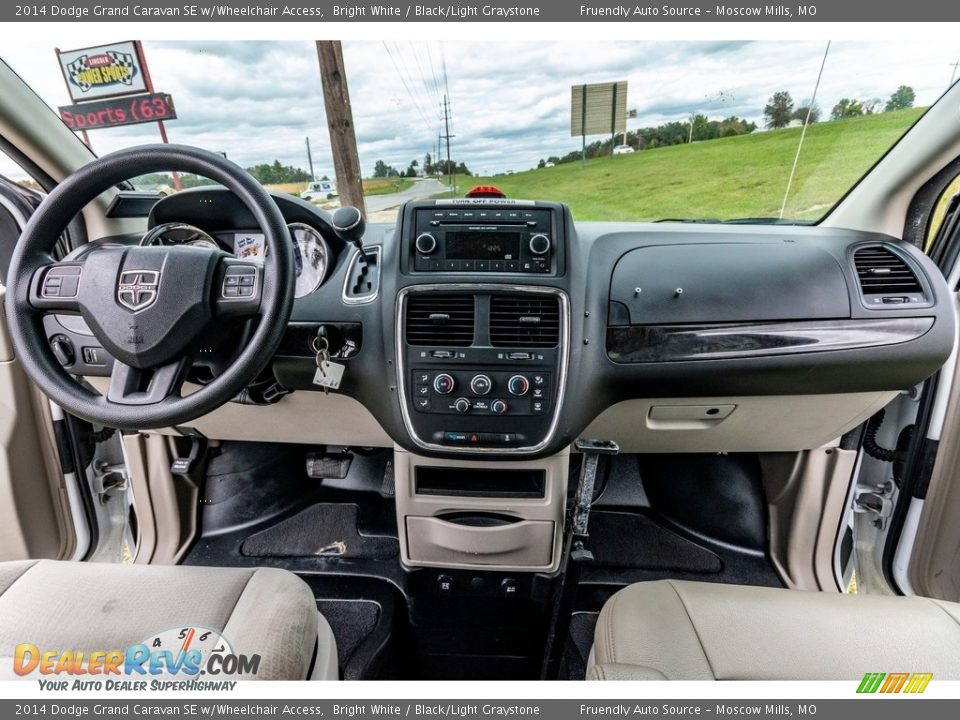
447,136
310,161
343,139
953,74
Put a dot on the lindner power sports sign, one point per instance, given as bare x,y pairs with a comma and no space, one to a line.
105,71
110,86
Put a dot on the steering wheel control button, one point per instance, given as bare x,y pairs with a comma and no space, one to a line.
498,407
61,282
239,283
481,384
444,383
518,385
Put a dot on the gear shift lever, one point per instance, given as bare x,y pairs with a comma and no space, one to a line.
349,225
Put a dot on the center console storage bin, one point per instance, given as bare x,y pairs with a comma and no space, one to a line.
432,540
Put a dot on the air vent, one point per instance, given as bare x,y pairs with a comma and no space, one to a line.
882,272
527,322
440,320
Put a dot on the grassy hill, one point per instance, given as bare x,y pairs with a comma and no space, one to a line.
735,177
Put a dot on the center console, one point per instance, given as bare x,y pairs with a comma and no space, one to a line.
483,330
482,359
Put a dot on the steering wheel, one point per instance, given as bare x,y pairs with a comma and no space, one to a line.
149,307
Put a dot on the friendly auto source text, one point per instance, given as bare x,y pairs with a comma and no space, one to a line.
638,12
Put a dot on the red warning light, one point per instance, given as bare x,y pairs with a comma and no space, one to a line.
486,191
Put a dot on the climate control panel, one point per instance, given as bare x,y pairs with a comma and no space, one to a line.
481,392
482,366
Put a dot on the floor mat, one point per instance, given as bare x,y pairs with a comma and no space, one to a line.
579,642
327,530
633,540
352,622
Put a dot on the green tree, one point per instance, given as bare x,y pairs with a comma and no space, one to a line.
847,108
779,110
276,173
542,164
382,170
901,99
801,113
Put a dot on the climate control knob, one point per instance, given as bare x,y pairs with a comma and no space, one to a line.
539,244
481,384
498,407
444,384
426,243
518,385
462,406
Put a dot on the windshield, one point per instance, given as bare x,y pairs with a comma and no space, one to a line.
699,131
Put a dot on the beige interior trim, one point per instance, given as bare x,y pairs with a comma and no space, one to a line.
753,424
533,543
806,492
301,417
35,519
934,568
166,504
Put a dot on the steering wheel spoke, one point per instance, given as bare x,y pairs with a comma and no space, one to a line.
238,288
56,287
131,386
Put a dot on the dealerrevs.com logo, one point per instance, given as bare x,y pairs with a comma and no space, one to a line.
171,659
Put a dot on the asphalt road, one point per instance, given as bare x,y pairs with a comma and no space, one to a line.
420,189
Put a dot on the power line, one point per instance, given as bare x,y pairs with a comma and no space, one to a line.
403,81
430,90
433,72
412,82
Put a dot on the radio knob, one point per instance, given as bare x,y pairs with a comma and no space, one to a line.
462,406
444,384
539,244
518,385
498,407
481,384
426,243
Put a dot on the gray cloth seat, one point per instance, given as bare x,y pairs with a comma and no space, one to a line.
677,630
98,607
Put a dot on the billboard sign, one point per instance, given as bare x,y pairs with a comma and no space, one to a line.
118,111
598,109
105,71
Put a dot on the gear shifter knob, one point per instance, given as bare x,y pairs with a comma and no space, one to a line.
349,226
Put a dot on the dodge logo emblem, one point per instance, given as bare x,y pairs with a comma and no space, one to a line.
137,289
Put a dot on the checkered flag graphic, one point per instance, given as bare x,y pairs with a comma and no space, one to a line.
118,59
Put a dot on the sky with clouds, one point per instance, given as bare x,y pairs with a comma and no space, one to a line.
510,102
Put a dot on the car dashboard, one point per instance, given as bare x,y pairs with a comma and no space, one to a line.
491,328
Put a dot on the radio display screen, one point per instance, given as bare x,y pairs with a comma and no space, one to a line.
466,245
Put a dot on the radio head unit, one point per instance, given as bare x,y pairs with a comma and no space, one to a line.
483,236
